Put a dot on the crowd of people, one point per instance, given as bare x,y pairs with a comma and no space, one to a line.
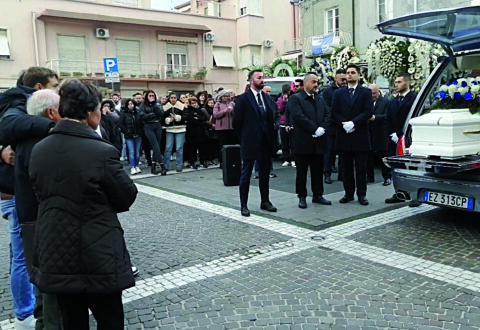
190,129
62,182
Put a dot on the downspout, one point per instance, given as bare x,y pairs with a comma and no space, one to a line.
35,38
353,22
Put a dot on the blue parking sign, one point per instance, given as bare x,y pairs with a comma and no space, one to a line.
110,64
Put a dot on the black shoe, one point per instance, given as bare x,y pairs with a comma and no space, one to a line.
267,206
302,202
273,175
371,180
387,182
195,166
321,200
345,199
363,201
245,211
164,169
328,179
153,170
414,203
135,271
334,169
394,199
205,165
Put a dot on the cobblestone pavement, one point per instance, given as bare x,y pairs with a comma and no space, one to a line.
203,266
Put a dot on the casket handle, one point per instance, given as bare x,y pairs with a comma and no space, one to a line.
471,132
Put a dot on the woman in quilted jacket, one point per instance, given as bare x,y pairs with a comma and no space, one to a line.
80,252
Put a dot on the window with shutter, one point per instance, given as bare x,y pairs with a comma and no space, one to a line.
177,55
4,45
129,58
72,54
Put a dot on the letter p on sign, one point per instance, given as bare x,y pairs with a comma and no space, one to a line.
110,64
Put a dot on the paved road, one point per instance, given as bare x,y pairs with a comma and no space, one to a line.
338,267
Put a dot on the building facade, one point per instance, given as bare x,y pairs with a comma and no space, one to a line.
156,49
353,22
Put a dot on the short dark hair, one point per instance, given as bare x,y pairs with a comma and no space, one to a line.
251,73
299,81
116,93
37,74
405,76
356,67
340,71
77,98
137,93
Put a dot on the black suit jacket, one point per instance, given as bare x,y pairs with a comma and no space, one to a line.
254,128
358,109
309,114
378,135
397,114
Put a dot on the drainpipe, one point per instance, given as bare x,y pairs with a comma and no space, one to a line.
353,22
35,38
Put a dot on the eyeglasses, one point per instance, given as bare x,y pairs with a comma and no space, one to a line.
297,86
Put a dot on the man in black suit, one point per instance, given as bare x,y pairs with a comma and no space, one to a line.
253,121
378,136
352,107
330,153
311,116
397,112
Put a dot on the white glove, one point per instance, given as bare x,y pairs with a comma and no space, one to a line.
178,117
319,132
168,120
351,131
394,137
348,126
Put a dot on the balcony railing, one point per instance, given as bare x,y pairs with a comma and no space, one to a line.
132,70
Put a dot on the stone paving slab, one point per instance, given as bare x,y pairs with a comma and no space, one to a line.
162,236
208,185
445,236
314,289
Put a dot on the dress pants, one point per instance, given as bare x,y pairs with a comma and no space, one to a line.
107,309
316,174
263,181
354,160
373,158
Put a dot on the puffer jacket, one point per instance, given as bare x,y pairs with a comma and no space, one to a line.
131,124
152,113
175,117
80,185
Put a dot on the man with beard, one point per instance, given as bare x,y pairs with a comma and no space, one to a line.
254,121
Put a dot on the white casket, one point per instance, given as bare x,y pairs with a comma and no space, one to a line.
449,133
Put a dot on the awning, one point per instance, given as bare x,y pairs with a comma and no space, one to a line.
223,56
49,13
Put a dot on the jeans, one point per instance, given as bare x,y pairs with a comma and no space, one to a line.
153,132
133,146
179,139
23,292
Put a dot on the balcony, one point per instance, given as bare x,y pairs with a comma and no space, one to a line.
292,45
129,71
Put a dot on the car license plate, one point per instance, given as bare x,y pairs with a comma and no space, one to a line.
448,200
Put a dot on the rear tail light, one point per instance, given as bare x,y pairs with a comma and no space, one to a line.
401,146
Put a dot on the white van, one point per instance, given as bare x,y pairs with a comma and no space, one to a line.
278,82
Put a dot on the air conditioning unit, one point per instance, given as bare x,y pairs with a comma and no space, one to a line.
267,43
102,33
209,36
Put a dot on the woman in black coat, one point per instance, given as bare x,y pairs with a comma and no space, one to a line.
152,118
131,126
80,252
196,134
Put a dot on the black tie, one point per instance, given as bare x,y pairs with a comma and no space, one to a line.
400,98
351,90
260,103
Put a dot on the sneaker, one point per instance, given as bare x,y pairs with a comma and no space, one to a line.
138,169
122,159
28,323
135,271
139,163
285,163
133,171
293,164
272,175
